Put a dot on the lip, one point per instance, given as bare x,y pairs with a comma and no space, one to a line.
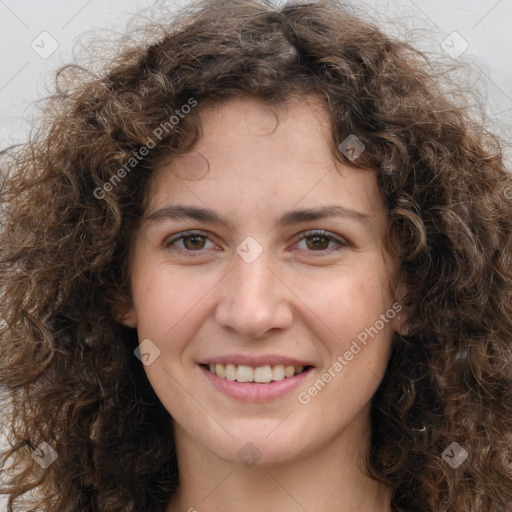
254,391
255,361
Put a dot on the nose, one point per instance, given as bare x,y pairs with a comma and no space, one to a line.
254,300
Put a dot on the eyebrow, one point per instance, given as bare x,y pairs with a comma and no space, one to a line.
183,212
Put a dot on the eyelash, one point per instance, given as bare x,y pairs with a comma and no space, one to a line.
307,234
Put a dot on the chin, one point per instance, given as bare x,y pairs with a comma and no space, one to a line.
259,446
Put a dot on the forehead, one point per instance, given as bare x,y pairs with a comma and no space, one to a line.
257,156
298,127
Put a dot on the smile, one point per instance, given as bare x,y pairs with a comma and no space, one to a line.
255,384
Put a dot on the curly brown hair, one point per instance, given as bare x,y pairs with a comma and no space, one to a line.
68,370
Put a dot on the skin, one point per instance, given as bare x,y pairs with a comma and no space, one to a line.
297,298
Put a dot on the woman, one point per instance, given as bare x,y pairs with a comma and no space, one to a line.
260,264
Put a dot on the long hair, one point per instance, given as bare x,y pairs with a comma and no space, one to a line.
76,397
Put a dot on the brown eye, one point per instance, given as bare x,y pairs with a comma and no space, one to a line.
191,242
319,241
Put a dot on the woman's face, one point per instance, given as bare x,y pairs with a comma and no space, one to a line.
260,256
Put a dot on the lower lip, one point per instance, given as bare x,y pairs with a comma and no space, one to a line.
254,391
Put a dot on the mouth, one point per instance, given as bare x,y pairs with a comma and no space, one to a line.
259,375
255,384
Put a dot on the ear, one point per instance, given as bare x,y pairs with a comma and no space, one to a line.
398,323
124,312
401,312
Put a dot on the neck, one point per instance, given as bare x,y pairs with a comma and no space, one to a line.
331,478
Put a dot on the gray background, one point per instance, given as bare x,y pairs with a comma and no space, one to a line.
484,26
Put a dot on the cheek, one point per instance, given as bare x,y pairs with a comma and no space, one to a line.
358,350
167,299
349,302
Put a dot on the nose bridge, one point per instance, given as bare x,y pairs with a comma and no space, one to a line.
253,278
253,299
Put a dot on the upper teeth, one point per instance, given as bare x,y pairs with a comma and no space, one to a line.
260,374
